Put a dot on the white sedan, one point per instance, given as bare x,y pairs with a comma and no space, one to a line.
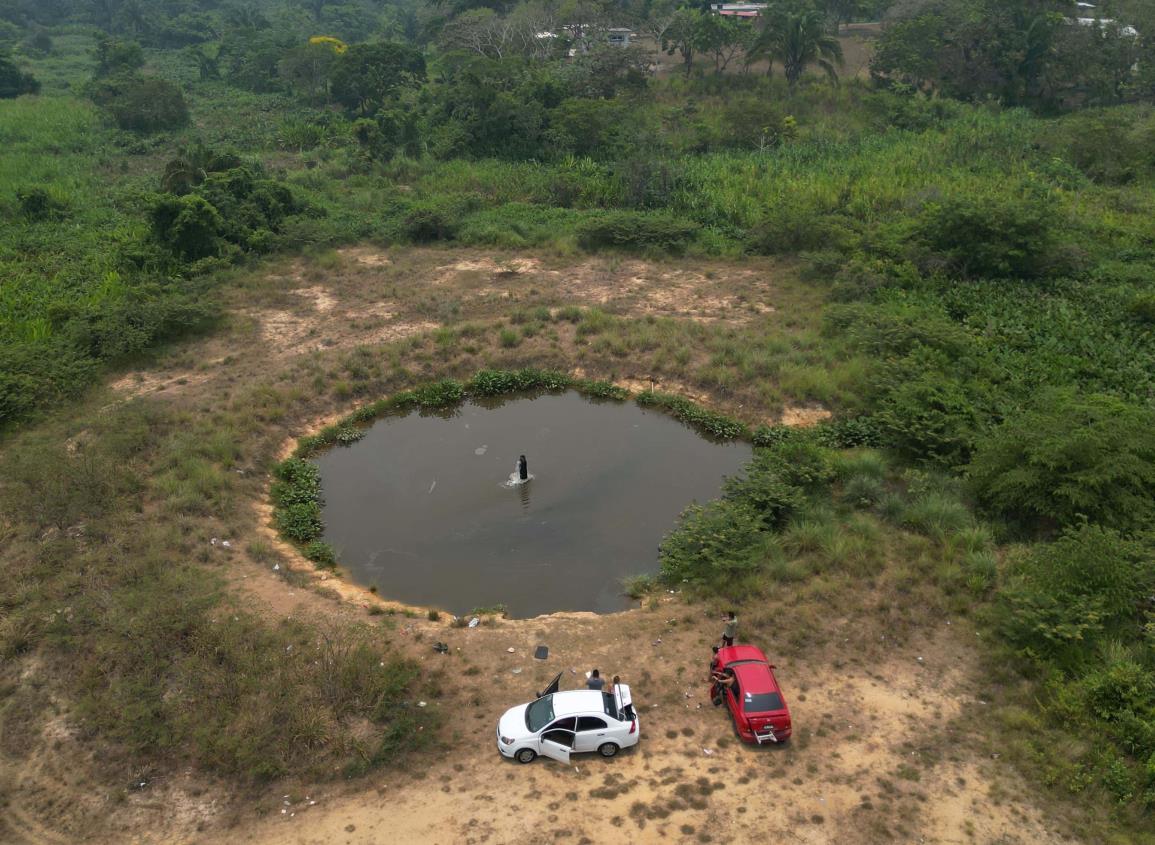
558,724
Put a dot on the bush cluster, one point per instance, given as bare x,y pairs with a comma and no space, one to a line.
15,82
736,533
1071,458
638,231
238,209
296,495
142,104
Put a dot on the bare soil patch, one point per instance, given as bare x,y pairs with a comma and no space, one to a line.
875,746
804,416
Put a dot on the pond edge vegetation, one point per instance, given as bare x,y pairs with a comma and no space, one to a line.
297,497
296,490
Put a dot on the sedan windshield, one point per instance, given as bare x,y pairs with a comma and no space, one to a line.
539,714
763,702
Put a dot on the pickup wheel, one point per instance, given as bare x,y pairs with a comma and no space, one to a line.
526,755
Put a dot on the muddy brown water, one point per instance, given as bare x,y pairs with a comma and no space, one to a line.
422,507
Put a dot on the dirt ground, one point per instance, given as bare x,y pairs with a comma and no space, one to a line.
877,754
884,747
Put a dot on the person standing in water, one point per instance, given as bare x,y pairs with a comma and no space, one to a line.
523,468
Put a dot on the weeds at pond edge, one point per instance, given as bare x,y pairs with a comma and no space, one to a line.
297,495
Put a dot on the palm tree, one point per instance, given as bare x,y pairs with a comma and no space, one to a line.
192,166
796,35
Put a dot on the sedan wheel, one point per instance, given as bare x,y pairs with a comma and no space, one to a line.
607,749
526,755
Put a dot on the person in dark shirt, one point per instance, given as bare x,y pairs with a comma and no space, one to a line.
595,680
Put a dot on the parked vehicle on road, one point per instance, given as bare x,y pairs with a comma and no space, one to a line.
558,724
745,683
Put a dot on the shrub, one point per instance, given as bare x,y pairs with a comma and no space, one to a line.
1142,308
1070,458
1120,692
636,230
897,329
637,586
1109,146
142,104
1065,596
767,488
189,225
723,537
321,553
237,206
39,204
431,221
15,82
990,237
931,417
791,226
114,57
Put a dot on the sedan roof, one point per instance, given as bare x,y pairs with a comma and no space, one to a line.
576,701
751,667
731,653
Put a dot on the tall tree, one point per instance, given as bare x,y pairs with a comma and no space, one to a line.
795,34
368,75
1043,53
685,35
723,38
842,11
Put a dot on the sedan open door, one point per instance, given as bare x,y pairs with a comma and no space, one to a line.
555,750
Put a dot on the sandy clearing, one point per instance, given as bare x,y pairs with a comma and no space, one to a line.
850,774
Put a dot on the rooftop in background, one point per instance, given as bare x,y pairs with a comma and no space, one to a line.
1124,29
738,10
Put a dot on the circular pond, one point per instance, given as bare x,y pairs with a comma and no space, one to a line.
425,509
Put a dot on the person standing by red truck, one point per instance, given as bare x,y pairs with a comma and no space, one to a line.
730,630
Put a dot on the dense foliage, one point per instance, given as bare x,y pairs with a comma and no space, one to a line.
15,82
